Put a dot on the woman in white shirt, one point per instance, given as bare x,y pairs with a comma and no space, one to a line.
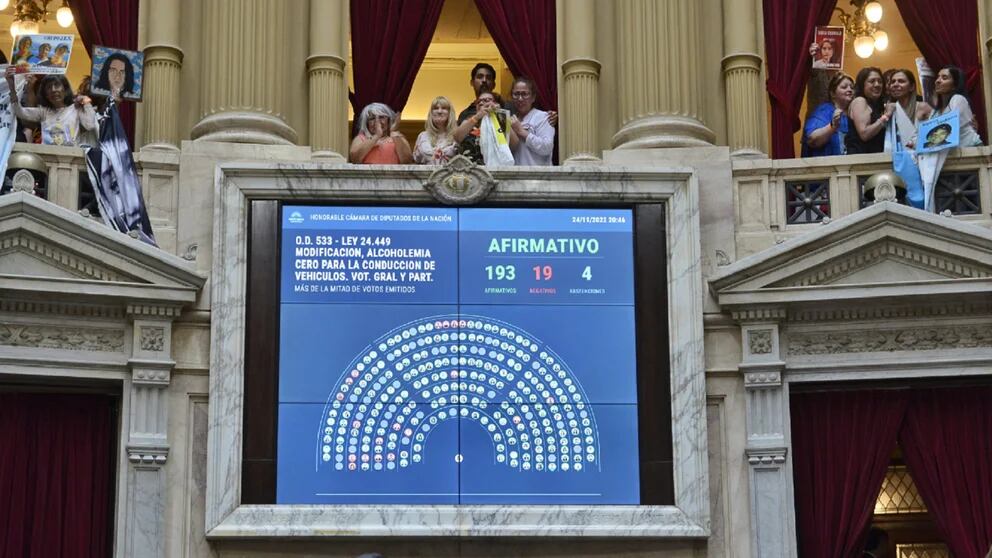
60,113
950,95
535,134
436,144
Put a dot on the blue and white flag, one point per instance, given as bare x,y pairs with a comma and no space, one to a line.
8,124
115,179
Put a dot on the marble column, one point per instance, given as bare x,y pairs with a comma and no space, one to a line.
580,84
148,440
742,79
325,71
773,521
659,90
163,62
244,73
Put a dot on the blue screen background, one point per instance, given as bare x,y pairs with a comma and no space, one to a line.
450,388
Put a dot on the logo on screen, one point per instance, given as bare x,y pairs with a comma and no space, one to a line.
295,217
405,384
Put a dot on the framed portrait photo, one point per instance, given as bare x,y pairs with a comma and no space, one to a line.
117,71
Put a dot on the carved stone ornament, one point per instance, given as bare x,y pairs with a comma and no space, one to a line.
766,457
68,338
759,379
910,339
760,341
23,181
152,339
460,182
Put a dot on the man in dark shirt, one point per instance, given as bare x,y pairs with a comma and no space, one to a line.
484,78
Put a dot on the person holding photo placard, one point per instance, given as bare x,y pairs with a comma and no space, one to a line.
949,95
60,113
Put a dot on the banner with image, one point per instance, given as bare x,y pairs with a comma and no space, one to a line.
41,54
939,133
117,70
828,48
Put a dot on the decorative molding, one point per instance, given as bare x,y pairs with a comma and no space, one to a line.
760,341
765,314
766,456
937,309
190,253
154,456
460,182
144,373
891,250
888,340
23,181
152,339
154,310
61,308
59,257
922,550
762,379
60,337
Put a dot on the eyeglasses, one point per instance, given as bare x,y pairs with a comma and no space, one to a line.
520,94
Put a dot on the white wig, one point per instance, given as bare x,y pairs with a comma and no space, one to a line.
374,110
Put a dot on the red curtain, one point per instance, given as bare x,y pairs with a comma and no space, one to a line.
525,34
389,39
841,443
56,463
112,23
789,27
947,34
947,443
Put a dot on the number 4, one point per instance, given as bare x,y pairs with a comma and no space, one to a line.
587,273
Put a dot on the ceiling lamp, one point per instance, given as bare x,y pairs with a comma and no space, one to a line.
881,40
64,15
860,27
864,46
30,14
873,12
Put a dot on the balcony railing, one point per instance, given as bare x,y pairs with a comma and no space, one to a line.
68,185
776,199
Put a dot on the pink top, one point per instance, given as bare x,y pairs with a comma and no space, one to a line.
383,153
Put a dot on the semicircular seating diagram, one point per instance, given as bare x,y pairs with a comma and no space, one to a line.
396,392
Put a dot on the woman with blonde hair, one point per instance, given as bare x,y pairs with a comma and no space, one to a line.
436,144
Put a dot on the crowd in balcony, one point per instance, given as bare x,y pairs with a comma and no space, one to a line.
876,109
489,131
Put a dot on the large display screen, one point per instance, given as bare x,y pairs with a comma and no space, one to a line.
457,356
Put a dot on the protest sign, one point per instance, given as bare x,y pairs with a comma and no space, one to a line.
117,70
41,54
939,133
828,52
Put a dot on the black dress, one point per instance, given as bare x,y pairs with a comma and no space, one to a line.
876,144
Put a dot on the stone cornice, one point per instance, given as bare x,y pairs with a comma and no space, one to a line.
61,308
955,308
944,264
58,257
